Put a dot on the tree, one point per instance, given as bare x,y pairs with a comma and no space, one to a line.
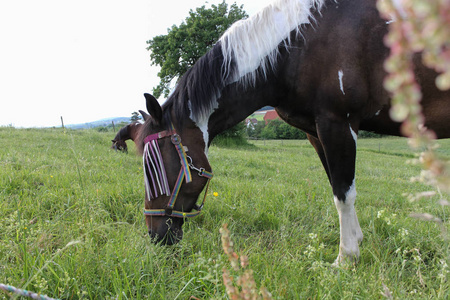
278,129
183,45
135,117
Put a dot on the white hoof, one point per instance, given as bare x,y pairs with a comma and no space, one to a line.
346,257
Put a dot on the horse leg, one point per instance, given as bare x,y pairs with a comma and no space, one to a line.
315,142
336,146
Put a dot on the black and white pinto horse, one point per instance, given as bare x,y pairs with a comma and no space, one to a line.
320,64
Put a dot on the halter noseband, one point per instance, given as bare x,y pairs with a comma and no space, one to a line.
155,173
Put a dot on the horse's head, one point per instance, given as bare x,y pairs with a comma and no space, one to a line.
119,145
176,171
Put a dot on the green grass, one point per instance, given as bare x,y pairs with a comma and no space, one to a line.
71,223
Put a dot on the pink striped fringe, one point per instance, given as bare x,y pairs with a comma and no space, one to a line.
154,173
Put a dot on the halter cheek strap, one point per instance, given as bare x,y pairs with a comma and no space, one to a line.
155,173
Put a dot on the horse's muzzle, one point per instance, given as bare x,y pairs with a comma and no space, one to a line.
168,234
170,238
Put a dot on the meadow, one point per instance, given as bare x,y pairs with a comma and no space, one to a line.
71,223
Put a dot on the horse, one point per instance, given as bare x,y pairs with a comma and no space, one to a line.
128,132
319,63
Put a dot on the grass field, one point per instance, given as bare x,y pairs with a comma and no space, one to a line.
71,223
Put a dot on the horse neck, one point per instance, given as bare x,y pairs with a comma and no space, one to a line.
237,103
133,131
123,134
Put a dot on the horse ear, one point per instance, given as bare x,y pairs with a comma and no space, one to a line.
153,107
144,115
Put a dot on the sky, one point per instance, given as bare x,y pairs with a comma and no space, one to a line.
82,60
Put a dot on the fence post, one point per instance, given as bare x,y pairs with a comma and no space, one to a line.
62,123
114,127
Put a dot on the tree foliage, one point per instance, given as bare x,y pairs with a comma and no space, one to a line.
232,137
278,129
275,129
183,45
135,116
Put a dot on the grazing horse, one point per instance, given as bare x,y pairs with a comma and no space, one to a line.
128,132
320,64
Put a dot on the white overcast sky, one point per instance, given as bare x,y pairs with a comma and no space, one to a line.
83,60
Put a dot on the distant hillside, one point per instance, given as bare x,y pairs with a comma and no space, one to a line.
102,122
107,121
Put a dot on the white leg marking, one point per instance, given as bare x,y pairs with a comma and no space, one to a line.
341,83
350,231
354,135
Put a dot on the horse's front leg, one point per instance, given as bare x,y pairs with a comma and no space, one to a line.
338,142
350,231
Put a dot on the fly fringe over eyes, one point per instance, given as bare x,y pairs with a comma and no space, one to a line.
155,176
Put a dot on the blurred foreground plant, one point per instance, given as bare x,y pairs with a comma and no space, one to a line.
418,28
244,287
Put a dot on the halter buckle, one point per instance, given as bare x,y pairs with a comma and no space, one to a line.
198,207
168,211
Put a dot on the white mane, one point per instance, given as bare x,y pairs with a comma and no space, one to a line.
253,43
247,47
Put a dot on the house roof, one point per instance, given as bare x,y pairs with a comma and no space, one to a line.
271,115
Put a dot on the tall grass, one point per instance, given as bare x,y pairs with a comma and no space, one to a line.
71,223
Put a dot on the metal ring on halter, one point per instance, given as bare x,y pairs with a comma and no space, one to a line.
176,139
191,165
168,211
